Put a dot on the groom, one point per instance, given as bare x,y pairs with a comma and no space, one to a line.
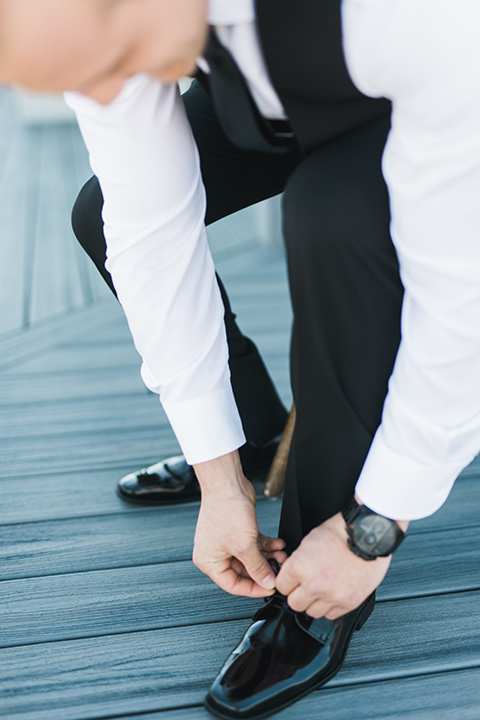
385,342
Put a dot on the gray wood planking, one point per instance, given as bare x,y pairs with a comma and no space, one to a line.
43,272
131,672
79,604
102,613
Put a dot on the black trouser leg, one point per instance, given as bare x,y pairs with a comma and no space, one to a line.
347,297
233,179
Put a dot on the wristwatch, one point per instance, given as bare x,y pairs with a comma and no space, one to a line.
370,535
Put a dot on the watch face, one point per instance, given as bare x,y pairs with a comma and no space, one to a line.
374,535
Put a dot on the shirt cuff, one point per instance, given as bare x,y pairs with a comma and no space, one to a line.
402,488
207,427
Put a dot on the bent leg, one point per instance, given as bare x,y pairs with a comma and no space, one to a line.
233,179
347,298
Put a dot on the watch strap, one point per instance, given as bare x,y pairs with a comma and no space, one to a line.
351,511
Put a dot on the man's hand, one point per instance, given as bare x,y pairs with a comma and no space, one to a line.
228,545
324,578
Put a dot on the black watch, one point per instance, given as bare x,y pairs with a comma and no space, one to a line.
370,535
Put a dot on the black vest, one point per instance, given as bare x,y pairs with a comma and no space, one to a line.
301,42
302,46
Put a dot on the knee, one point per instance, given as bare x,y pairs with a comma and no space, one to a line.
87,220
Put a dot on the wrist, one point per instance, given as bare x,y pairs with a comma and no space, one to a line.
221,475
370,535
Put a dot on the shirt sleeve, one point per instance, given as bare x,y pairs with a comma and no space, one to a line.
430,428
143,153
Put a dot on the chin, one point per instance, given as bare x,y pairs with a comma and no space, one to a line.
174,73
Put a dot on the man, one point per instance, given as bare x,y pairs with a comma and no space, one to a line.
385,372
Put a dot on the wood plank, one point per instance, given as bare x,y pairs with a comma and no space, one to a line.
81,385
89,382
85,451
443,696
100,414
126,535
109,602
32,498
149,671
55,497
135,537
122,353
71,416
14,385
20,345
149,597
79,357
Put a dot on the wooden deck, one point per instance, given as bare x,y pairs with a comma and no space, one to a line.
102,613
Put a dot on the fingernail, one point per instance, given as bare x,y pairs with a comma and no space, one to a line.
269,582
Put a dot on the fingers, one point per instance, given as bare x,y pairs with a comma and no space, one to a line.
315,606
254,560
258,567
239,568
272,548
320,609
288,577
240,584
269,544
297,600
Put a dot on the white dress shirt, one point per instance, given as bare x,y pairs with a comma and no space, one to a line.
425,57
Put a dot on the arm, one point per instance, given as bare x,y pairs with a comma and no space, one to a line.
143,153
430,428
144,156
324,578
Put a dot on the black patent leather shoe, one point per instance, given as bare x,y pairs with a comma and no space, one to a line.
173,481
282,657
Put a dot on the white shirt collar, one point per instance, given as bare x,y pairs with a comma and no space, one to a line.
229,12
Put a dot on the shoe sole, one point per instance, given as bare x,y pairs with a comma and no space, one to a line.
158,502
361,620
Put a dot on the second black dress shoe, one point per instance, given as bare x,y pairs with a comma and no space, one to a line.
282,657
173,481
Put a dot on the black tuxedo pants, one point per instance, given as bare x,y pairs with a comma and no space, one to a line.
346,296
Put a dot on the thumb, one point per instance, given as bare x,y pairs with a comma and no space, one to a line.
258,568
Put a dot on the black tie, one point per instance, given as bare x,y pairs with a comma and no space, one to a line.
240,119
